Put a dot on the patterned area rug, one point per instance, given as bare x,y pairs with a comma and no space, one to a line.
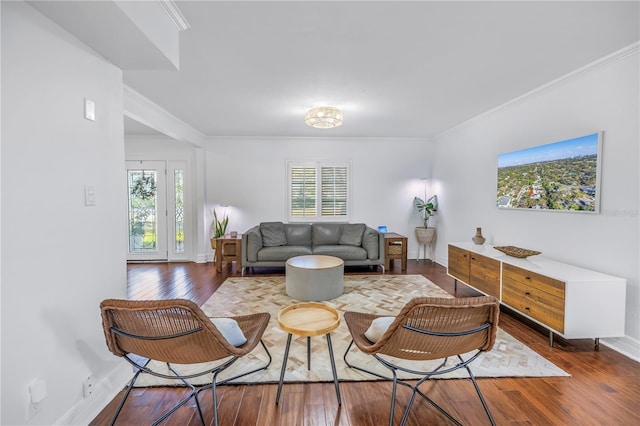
380,294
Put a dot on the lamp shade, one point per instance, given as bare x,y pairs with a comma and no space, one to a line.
325,117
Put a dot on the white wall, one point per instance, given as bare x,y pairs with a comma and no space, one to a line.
604,97
59,257
250,176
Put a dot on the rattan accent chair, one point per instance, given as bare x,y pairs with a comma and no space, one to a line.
429,328
176,331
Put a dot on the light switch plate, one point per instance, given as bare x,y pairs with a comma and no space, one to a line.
89,110
89,196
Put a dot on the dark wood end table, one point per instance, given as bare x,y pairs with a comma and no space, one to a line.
395,247
228,249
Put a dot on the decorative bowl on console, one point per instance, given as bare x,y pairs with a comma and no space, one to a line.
516,251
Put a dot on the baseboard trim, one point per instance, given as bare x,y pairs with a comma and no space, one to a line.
85,410
626,345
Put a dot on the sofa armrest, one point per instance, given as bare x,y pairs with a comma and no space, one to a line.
251,244
371,243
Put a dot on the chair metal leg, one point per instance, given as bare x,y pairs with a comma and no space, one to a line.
393,398
192,394
215,399
405,415
194,390
178,405
415,389
246,373
124,397
484,403
355,367
215,383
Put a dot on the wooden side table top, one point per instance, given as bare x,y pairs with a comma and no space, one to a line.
393,235
229,238
309,319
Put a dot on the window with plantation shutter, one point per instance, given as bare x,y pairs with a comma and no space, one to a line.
303,192
318,191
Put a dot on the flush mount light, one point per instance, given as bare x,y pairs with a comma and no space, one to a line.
324,117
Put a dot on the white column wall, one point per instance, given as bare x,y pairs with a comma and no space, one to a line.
60,258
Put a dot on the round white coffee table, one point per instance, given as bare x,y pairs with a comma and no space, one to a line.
314,277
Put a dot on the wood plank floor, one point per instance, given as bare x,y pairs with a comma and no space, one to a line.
604,387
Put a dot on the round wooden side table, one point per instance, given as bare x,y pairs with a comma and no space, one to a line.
309,319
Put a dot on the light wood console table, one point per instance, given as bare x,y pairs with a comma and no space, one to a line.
570,301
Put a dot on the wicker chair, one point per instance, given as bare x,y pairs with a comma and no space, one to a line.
427,329
176,332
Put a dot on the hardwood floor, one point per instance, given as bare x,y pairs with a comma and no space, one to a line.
604,387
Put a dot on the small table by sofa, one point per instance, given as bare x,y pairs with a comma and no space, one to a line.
228,249
395,247
309,319
314,277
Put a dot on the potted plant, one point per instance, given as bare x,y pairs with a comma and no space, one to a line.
426,208
218,227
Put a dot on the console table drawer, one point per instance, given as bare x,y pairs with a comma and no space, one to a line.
513,274
484,274
541,306
533,294
459,263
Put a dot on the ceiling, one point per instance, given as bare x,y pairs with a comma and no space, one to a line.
396,69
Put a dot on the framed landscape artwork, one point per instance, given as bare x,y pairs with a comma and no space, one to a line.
559,176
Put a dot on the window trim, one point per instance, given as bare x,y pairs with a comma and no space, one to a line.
317,165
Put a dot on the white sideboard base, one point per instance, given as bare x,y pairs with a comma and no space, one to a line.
572,302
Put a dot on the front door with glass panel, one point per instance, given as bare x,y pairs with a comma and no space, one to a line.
146,182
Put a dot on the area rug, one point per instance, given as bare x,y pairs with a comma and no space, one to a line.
380,294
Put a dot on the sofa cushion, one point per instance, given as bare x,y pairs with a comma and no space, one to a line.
326,233
282,253
273,234
298,234
344,252
352,234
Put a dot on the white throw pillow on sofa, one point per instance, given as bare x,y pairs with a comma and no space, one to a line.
378,327
230,330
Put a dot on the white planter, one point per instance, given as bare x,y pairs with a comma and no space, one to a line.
425,237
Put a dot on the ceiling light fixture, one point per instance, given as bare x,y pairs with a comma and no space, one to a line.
324,117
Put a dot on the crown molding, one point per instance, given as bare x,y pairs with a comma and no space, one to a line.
175,14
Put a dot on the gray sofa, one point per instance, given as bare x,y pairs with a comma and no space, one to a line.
272,243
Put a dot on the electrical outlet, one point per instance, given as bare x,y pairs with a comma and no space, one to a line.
37,390
32,410
88,386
